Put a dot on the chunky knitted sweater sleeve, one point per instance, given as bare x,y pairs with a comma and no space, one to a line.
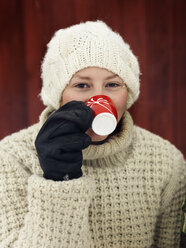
168,226
36,212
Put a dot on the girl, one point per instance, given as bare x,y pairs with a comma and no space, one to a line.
62,185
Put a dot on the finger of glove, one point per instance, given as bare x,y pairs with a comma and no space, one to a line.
74,111
72,142
60,145
78,113
72,116
48,133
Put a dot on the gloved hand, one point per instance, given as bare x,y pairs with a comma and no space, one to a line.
61,139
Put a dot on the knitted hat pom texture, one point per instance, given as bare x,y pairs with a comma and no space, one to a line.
84,45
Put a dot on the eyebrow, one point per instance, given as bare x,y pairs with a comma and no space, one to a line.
88,78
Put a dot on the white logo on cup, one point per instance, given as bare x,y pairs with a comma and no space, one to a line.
91,102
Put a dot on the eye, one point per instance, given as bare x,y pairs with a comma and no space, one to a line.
82,85
113,85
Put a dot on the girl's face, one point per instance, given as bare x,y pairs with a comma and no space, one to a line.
93,81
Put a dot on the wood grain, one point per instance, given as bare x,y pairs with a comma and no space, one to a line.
155,31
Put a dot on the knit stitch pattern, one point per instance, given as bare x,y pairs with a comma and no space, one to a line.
130,195
81,46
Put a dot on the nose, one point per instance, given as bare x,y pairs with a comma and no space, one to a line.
98,90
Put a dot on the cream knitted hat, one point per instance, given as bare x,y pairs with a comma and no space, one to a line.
83,45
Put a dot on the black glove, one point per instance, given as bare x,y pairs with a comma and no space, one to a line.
61,139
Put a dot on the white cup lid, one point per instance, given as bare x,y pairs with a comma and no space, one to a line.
104,124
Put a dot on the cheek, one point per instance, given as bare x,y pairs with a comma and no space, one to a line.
120,103
68,96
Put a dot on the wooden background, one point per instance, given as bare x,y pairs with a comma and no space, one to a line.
155,29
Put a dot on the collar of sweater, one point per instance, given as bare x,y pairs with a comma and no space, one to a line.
115,144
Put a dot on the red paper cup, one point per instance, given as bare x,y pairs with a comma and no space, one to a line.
105,114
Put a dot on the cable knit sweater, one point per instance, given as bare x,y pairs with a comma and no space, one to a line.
130,194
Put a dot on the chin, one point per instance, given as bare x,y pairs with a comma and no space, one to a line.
95,137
